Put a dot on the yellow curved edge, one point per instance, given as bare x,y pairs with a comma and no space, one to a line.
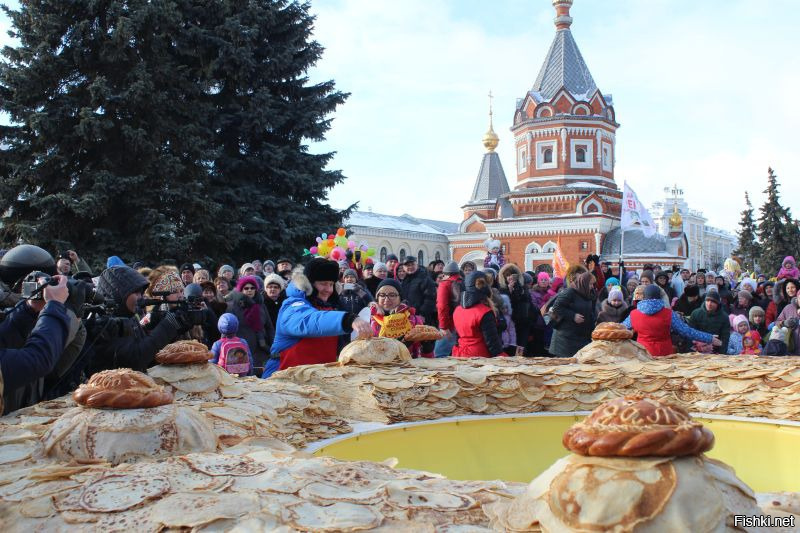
766,456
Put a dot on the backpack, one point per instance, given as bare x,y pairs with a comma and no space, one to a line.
233,356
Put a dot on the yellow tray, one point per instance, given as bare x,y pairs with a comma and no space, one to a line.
518,448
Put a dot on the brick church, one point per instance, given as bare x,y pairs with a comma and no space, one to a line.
564,132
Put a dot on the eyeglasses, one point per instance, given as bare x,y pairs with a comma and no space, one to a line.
388,295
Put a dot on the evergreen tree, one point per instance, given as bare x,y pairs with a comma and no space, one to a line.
749,248
772,232
154,129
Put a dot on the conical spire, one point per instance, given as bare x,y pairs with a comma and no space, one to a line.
564,65
490,138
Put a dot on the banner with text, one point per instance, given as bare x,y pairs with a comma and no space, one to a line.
634,214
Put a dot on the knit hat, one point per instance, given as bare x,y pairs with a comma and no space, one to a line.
226,268
711,273
692,290
392,257
713,296
528,278
647,274
187,266
612,281
275,279
228,324
738,319
746,295
244,267
368,266
114,261
651,292
615,294
269,262
119,282
543,276
390,282
380,266
350,272
247,280
165,281
451,268
321,269
755,311
749,281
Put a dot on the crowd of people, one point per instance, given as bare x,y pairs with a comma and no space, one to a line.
269,315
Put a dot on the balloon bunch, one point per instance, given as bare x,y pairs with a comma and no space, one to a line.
338,247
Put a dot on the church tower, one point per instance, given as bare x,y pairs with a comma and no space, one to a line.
565,193
564,127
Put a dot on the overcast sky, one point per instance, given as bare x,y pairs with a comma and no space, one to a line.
705,92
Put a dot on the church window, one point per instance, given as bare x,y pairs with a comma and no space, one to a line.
608,162
402,255
547,156
592,208
438,256
584,245
580,154
420,258
384,253
522,164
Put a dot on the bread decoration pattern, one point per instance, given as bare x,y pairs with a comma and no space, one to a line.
183,353
423,333
611,331
637,426
122,388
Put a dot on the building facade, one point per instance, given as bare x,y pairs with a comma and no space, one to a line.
401,235
564,135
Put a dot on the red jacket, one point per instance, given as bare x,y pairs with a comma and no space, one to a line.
444,308
654,331
470,336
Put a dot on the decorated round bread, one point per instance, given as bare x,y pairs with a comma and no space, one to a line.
122,388
183,353
611,331
423,333
377,350
637,426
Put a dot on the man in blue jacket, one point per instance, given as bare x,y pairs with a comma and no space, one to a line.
308,326
44,345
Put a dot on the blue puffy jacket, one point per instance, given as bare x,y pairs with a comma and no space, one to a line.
298,319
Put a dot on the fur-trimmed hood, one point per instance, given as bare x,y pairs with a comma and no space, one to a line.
506,271
300,286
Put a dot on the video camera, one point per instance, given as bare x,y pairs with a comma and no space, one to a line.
191,304
83,297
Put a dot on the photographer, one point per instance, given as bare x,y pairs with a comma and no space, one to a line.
69,264
118,340
45,343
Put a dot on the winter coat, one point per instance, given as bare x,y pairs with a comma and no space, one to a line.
789,311
274,306
419,291
609,313
569,337
790,273
521,308
716,323
259,341
446,301
41,342
306,334
355,299
372,284
477,332
654,324
685,307
509,334
540,296
735,346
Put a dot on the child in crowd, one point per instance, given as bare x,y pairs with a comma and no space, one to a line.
231,352
494,256
752,343
740,327
789,269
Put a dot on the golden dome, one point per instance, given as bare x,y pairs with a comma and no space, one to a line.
675,220
490,138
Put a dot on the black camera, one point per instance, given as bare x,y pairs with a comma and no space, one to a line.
32,289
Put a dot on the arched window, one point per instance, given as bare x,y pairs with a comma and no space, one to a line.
384,253
547,155
437,256
420,258
580,154
402,255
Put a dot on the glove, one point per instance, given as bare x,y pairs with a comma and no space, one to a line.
179,320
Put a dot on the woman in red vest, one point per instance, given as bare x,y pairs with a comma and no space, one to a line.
475,321
654,324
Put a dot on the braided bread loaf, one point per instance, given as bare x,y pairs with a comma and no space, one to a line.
184,352
611,331
635,426
122,388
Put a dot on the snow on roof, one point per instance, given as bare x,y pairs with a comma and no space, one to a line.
397,223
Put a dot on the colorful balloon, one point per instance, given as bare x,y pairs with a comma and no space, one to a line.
324,236
337,254
351,245
370,252
319,239
313,250
364,247
306,251
340,232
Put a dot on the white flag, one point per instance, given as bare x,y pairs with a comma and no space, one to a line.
634,214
